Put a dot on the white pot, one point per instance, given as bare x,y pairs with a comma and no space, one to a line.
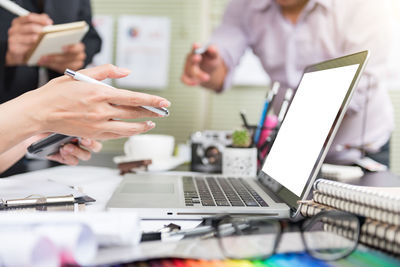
239,162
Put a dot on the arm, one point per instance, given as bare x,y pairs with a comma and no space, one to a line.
214,69
75,108
377,37
69,154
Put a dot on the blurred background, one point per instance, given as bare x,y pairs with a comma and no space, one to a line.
193,109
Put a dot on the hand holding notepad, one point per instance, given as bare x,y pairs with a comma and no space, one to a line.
53,40
31,37
23,35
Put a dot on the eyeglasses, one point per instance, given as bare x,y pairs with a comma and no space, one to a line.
329,235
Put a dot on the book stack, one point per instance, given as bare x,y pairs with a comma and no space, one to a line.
379,205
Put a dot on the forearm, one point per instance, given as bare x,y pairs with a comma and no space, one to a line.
17,122
217,77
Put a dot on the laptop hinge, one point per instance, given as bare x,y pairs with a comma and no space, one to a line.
270,193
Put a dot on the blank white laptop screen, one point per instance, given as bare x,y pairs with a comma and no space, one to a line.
306,126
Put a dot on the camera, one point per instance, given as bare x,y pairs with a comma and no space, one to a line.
207,148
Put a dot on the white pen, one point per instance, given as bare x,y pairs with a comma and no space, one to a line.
285,105
14,8
201,50
81,77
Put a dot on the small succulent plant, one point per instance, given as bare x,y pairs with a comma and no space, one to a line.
241,138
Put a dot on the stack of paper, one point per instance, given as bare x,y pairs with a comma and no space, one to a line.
43,239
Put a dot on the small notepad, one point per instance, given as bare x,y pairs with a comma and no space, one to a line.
54,37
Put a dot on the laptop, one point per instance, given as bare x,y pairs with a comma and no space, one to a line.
287,174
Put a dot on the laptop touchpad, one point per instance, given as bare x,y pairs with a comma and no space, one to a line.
148,188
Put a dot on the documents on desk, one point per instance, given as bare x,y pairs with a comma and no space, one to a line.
75,236
23,242
18,192
193,248
96,182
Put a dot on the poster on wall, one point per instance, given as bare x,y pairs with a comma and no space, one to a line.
250,72
143,46
104,25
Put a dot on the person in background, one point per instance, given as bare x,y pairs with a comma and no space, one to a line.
19,34
73,108
288,35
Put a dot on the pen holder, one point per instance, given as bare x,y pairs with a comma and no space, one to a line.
239,162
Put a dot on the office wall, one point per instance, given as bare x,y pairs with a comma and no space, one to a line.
194,108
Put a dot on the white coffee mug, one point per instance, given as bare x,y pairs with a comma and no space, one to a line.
149,146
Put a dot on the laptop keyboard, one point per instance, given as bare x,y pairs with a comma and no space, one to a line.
212,191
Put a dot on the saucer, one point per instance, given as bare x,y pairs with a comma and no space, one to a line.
157,165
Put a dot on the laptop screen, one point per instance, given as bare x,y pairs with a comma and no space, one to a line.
308,128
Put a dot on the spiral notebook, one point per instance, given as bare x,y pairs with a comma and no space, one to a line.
378,203
374,233
385,198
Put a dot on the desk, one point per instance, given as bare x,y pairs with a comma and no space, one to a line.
100,182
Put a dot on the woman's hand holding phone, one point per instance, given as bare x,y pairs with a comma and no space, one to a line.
71,153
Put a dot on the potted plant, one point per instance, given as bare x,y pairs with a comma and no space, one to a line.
240,159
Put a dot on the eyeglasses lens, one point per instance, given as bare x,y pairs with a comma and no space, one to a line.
248,240
332,235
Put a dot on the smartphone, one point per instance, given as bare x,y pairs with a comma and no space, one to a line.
50,145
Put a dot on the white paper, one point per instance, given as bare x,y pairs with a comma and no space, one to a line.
110,228
13,188
97,182
250,71
143,46
76,240
193,248
52,43
26,248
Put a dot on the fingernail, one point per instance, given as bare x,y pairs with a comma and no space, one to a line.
86,142
65,48
98,149
123,71
151,124
165,104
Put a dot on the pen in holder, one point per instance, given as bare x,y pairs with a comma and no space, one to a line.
267,135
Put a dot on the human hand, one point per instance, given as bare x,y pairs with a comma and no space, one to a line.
72,58
77,108
70,154
22,35
199,68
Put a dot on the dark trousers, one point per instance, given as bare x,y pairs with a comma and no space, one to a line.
27,165
383,155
